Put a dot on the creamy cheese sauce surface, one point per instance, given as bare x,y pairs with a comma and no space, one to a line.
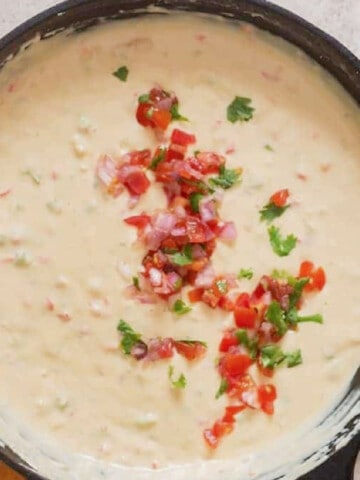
63,241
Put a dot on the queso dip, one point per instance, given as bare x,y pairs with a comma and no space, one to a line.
67,258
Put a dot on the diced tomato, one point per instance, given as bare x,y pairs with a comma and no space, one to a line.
316,275
191,351
138,221
243,300
280,197
229,340
306,269
257,293
179,137
195,295
142,114
137,182
139,157
267,396
234,364
240,385
231,411
207,162
174,154
195,230
161,119
267,372
245,317
210,298
221,428
160,348
226,304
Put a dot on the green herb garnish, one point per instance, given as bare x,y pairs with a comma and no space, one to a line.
227,177
195,199
316,318
175,115
222,388
272,211
272,356
182,258
222,286
144,98
136,282
282,246
251,344
160,157
275,315
129,337
180,383
180,307
245,273
240,109
268,147
122,73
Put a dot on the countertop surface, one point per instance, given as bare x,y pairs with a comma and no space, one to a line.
339,18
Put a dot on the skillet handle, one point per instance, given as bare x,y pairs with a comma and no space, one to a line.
340,466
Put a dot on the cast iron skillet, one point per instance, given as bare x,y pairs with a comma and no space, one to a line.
327,51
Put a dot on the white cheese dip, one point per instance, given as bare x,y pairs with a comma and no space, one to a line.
66,256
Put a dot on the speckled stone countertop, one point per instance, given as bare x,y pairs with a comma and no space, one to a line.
339,18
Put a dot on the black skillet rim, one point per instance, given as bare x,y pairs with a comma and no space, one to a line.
332,55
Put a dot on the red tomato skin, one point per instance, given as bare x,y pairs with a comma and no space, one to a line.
245,317
137,183
229,340
280,197
179,137
190,351
195,295
231,411
141,114
140,157
161,119
267,395
138,221
243,300
234,364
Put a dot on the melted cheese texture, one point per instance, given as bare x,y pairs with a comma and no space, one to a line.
62,240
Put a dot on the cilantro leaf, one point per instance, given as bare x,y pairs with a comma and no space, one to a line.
268,147
182,258
160,157
175,115
240,109
298,285
272,356
129,337
272,211
122,73
251,344
227,177
317,318
275,315
180,307
294,358
195,199
245,273
222,388
282,246
144,98
136,282
180,383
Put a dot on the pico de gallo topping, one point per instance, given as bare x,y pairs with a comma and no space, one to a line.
179,242
157,109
